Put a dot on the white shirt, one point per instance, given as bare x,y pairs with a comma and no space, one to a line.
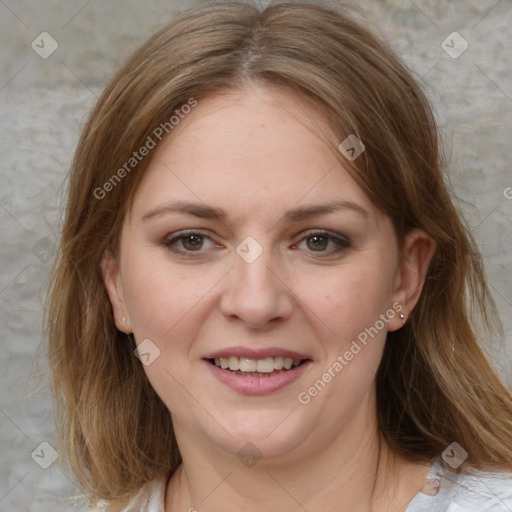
474,491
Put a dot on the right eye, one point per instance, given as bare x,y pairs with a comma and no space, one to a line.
186,242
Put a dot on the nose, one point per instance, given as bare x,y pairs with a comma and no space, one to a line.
257,293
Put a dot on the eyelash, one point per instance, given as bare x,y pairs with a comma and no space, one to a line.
342,242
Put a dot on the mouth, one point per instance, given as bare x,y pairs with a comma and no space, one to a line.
251,367
257,370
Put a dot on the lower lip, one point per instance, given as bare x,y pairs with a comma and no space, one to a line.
257,385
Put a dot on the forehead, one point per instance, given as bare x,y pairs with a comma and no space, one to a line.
252,149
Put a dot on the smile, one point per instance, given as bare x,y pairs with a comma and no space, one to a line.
254,382
250,367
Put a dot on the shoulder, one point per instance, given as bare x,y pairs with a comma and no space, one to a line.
150,498
484,491
468,491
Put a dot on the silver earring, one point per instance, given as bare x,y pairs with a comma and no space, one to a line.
402,316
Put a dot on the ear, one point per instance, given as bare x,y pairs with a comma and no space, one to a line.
114,287
418,249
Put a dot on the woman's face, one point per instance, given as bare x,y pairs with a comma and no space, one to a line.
249,240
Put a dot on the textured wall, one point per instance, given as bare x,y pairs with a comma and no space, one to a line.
43,102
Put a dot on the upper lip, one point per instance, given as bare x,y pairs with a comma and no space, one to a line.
256,353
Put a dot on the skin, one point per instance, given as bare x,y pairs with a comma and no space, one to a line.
252,152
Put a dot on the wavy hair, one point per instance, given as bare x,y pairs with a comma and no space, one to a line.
435,384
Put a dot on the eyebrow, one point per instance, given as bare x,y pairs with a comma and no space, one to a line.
298,214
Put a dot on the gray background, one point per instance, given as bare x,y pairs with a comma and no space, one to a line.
43,103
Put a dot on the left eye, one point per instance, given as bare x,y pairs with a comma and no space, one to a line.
319,242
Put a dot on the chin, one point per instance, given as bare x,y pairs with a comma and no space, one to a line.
262,435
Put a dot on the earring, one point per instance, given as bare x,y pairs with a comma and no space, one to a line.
402,317
124,319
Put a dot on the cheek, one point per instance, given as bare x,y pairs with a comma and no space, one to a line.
171,305
347,299
159,296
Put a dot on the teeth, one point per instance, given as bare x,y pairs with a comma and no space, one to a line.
234,363
265,365
248,365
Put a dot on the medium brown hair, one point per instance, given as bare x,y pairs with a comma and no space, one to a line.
434,385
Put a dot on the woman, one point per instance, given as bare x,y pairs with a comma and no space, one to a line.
265,298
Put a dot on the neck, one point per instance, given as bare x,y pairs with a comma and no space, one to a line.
354,471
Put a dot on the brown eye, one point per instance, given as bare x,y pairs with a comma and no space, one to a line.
317,243
325,243
192,242
188,242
